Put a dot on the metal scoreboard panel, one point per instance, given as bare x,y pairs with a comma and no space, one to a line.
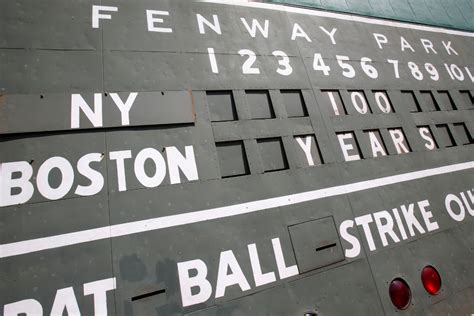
214,159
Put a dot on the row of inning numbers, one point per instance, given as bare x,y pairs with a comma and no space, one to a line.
419,72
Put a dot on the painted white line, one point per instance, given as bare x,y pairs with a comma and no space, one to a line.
51,242
342,16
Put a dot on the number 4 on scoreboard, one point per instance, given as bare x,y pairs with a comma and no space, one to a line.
319,65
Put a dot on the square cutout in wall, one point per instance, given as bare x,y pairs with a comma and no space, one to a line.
410,100
294,103
468,97
260,105
232,159
273,154
446,100
429,101
446,137
221,106
463,133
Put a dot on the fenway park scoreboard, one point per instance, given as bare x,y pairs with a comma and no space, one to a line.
232,158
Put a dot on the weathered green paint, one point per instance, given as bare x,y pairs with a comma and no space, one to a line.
270,168
457,14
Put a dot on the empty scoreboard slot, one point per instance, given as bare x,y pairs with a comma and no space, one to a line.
446,100
294,103
272,154
429,102
232,159
411,101
469,97
463,135
221,106
446,137
259,104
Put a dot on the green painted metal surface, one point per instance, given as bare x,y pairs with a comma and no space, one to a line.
457,14
230,158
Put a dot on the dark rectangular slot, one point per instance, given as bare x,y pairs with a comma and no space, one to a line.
273,154
463,133
326,247
447,136
468,95
142,296
448,99
430,101
417,107
221,106
294,103
260,104
232,159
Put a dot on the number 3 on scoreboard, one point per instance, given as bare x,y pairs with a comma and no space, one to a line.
284,62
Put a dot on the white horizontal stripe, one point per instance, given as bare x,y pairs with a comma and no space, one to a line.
33,245
341,16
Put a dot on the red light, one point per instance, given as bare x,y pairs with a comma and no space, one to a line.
431,280
400,293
